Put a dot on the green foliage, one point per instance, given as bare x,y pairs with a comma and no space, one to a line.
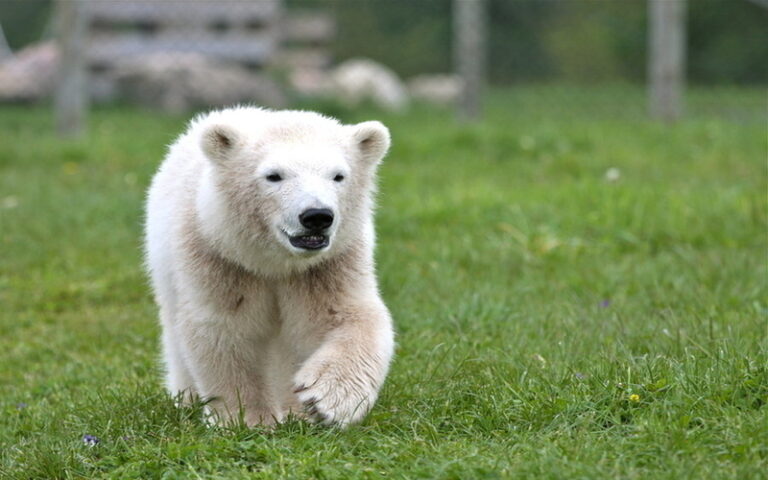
532,40
412,37
551,323
24,21
728,41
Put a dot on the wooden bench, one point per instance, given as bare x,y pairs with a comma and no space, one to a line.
244,31
253,33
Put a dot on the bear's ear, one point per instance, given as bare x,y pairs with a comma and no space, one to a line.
372,140
219,141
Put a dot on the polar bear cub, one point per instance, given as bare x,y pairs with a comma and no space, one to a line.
259,243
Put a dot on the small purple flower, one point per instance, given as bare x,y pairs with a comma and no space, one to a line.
605,303
90,440
21,406
580,375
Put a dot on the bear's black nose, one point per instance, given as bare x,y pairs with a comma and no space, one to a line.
316,218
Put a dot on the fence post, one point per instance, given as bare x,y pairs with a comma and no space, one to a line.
469,55
71,95
666,58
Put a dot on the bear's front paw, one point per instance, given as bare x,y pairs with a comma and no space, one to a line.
332,399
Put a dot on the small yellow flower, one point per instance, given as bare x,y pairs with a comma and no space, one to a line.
634,398
70,168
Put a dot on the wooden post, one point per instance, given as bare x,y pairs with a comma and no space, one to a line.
666,58
469,55
71,95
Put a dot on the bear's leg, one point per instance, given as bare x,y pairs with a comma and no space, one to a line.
340,380
226,366
282,362
178,379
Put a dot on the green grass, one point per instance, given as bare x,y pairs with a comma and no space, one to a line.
532,299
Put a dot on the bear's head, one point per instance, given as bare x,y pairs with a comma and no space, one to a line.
283,190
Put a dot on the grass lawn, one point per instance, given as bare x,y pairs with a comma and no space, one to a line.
551,323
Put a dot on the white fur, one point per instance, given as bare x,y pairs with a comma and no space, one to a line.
251,323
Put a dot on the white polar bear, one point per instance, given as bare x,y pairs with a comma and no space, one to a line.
259,243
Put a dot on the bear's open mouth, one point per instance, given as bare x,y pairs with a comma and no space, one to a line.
309,242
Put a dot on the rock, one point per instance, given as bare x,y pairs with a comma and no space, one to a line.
442,89
311,82
359,80
29,75
177,82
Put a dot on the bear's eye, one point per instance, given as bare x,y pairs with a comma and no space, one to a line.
338,178
274,177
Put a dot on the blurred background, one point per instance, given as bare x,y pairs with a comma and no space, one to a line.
180,56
